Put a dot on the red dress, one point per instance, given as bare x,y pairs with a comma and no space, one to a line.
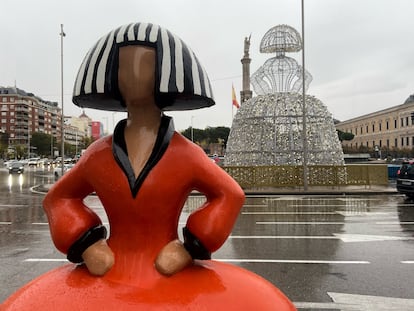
143,216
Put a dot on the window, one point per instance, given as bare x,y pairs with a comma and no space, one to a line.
395,126
380,127
388,143
367,128
3,114
373,128
387,125
3,120
380,143
396,143
402,141
406,121
4,99
407,141
402,122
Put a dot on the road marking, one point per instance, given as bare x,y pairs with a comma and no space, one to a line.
357,262
299,223
372,303
356,213
370,238
297,261
289,213
394,223
326,306
309,237
5,222
336,236
13,205
408,262
45,260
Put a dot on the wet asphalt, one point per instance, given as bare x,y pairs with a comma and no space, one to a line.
324,251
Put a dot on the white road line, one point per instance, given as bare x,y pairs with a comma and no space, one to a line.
299,223
408,262
295,261
336,236
284,237
289,261
394,223
5,222
45,260
255,205
327,306
289,213
13,205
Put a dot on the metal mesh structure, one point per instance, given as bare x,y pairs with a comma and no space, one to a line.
268,128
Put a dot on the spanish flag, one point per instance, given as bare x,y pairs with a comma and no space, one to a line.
234,99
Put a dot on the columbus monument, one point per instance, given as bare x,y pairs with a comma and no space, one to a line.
268,128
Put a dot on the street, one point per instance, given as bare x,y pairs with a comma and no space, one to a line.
325,252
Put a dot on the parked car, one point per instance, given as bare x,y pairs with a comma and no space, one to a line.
405,178
16,168
57,171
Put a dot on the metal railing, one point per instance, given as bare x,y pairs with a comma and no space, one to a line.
318,175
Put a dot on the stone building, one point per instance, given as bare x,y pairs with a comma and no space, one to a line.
391,128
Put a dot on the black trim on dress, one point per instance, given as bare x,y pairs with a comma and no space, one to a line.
120,152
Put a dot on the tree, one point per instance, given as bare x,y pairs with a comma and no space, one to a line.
4,143
42,142
210,135
345,135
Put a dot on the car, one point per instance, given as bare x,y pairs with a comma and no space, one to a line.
8,163
16,168
33,161
405,178
58,170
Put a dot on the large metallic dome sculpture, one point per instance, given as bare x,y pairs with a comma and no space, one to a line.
268,128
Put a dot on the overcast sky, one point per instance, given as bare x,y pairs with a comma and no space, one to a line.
359,52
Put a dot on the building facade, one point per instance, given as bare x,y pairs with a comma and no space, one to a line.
24,113
391,128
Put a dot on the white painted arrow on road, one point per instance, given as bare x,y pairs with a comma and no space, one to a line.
369,238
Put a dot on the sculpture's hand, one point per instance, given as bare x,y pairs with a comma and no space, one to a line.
98,258
172,258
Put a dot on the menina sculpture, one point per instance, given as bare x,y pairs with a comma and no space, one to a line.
268,128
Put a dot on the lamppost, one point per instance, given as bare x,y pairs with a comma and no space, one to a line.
305,141
62,34
192,130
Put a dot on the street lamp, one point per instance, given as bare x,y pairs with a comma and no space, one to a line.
305,142
62,34
192,130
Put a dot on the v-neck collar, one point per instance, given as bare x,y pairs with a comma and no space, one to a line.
120,152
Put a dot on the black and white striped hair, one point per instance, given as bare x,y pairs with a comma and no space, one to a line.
181,83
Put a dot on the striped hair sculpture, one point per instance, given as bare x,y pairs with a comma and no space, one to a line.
181,83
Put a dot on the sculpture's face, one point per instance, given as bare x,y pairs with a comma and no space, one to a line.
136,73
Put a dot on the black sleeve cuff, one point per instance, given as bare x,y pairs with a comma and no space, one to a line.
194,246
90,237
